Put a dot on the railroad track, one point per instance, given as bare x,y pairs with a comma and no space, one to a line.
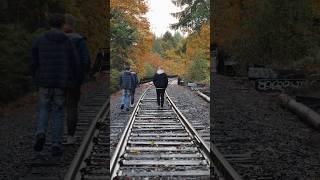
162,144
51,167
92,156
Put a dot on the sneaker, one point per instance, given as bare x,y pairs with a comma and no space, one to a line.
122,106
70,140
56,151
40,140
132,105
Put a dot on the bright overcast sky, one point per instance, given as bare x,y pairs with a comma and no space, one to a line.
159,16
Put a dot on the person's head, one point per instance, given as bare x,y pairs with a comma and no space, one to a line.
160,70
70,23
127,67
56,21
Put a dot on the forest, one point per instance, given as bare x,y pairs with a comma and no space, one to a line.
23,20
279,34
133,43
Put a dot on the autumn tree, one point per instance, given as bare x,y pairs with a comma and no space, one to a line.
194,18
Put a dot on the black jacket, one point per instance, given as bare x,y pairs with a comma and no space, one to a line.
135,80
160,80
55,63
80,44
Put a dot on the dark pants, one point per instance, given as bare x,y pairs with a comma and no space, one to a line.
72,100
160,96
132,96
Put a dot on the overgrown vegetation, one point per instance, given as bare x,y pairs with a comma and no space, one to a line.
281,34
22,20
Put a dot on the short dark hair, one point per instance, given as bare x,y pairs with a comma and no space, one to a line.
56,20
127,67
70,20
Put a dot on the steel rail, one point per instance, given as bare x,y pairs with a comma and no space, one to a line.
191,130
215,158
87,143
114,162
223,165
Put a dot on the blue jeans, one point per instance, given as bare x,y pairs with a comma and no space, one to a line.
125,99
51,100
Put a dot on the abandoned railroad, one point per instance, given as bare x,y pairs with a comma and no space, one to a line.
254,135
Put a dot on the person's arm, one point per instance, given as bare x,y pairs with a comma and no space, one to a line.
35,59
155,80
84,54
74,60
96,65
166,80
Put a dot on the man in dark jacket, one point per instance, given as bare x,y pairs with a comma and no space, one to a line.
126,84
135,84
55,67
160,81
73,94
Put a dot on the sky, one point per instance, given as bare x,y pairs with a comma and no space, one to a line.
159,16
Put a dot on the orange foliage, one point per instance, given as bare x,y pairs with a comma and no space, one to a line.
134,11
199,42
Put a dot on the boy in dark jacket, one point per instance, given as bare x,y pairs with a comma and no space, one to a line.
126,84
160,81
55,67
73,94
135,84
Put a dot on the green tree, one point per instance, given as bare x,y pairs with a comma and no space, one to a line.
199,68
114,80
156,46
123,36
149,70
194,14
280,33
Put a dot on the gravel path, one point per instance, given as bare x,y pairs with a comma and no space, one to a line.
273,141
17,138
120,117
192,106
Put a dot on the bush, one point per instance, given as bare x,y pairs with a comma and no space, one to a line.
114,80
199,68
149,71
15,77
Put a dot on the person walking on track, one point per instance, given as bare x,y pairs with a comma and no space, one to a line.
73,94
135,84
126,84
160,81
55,67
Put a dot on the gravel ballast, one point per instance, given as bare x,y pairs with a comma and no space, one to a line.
251,124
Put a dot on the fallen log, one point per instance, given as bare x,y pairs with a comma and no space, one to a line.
205,97
305,113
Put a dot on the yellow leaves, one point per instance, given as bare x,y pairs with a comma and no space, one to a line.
134,10
199,42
